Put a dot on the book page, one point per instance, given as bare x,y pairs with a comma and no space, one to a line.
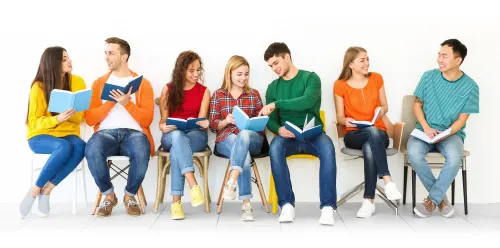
309,125
377,112
294,127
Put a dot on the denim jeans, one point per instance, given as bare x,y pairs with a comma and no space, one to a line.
373,142
452,149
321,147
65,155
181,146
239,148
118,142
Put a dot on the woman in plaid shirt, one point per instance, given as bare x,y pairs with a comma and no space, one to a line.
233,143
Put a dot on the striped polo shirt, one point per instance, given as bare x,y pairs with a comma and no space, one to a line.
445,100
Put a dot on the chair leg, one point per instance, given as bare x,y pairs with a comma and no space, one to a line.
75,195
84,183
31,180
141,192
464,181
259,185
221,199
142,201
405,181
97,202
164,179
158,184
413,189
206,190
273,196
453,193
226,176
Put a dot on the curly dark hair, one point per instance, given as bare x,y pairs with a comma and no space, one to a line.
176,89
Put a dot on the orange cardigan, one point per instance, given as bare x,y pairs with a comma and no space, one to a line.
142,111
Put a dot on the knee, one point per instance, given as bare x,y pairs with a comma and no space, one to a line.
454,159
79,147
244,136
276,147
176,135
65,147
326,146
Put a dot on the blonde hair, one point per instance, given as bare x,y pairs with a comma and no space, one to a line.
349,56
234,63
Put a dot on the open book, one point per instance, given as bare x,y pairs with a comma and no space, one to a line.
421,135
134,84
185,125
62,100
243,122
363,124
309,131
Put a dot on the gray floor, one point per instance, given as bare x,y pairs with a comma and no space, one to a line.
482,218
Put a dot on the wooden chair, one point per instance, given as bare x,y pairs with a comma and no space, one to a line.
264,152
435,159
200,159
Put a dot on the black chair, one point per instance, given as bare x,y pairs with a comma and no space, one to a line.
264,152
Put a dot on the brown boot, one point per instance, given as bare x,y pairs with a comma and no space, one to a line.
107,206
132,207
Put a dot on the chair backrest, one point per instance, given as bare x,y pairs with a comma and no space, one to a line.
409,118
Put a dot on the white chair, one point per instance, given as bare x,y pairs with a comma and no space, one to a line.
80,167
119,172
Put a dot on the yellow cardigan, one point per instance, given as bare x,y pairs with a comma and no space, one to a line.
40,121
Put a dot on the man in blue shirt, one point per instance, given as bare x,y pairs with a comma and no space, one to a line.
445,98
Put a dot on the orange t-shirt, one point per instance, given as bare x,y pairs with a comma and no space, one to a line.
360,104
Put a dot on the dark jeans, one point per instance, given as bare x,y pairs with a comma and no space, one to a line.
321,147
65,155
118,142
373,142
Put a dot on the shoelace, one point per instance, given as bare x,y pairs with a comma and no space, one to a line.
106,204
428,204
131,203
177,207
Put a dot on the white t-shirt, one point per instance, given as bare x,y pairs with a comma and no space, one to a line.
118,116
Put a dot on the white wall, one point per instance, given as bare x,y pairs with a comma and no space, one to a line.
401,45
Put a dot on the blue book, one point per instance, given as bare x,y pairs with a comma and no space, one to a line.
308,132
134,84
363,124
243,122
62,100
185,125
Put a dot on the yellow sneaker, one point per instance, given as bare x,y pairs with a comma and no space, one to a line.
196,196
176,210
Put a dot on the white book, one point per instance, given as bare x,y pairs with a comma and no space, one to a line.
421,135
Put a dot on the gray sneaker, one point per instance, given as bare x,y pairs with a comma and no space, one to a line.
445,208
247,212
425,209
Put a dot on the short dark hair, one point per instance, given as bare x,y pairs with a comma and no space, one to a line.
124,46
276,49
459,49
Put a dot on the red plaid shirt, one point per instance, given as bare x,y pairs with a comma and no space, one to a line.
222,103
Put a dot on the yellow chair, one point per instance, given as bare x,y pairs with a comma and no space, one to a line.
273,197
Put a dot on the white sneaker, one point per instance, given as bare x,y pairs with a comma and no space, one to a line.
392,191
247,212
287,213
366,210
327,216
229,191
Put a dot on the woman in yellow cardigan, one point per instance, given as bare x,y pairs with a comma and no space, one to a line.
52,133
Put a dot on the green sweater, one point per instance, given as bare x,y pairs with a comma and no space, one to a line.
294,99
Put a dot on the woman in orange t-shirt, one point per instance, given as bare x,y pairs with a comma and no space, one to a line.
358,95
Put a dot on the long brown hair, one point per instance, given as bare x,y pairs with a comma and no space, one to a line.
48,76
349,56
234,63
176,89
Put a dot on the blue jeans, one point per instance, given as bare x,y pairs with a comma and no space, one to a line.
321,147
452,149
181,146
239,148
65,155
373,142
118,142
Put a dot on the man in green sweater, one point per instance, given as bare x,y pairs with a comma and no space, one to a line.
293,96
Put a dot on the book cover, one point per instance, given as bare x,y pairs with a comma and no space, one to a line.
62,100
185,125
135,83
243,122
308,132
363,124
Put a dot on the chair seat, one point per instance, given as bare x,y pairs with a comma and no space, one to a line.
118,158
205,153
359,153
